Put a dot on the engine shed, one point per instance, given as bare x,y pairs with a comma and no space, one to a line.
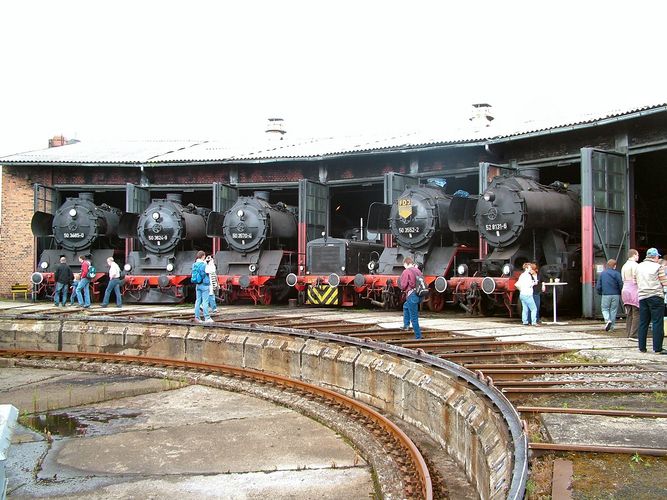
618,159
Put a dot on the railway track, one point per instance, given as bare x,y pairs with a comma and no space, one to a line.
532,378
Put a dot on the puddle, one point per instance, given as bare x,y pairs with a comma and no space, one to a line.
72,424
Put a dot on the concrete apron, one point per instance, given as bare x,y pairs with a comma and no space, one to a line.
189,442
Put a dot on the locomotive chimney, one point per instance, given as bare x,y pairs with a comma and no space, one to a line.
262,195
87,196
275,129
176,197
481,116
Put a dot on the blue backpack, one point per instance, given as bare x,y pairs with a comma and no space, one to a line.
197,274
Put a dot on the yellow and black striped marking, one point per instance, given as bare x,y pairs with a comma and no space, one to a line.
322,295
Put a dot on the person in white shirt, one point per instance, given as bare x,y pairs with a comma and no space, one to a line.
212,272
525,284
114,284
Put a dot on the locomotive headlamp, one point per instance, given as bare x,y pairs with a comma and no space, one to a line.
156,215
462,270
170,267
240,213
372,265
252,267
507,269
127,267
489,196
72,212
44,265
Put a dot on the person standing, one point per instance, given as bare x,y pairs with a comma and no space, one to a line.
629,294
84,283
650,282
63,276
212,273
537,291
525,284
201,287
408,281
609,285
114,284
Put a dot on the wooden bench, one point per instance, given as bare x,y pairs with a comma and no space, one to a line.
18,290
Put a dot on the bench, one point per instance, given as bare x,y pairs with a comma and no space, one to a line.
18,290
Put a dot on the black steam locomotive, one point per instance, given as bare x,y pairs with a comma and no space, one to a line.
418,222
522,221
260,239
170,234
78,227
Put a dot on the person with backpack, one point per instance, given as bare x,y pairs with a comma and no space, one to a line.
202,282
84,283
408,282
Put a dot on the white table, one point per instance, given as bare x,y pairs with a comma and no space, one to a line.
554,284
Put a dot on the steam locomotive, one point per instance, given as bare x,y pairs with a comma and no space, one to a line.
522,221
418,222
170,234
78,227
260,240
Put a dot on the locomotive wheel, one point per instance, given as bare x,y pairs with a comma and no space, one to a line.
436,301
487,306
266,295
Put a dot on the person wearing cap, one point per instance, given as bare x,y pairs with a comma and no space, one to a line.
63,276
651,280
609,285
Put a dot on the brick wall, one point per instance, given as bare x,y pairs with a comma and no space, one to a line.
17,252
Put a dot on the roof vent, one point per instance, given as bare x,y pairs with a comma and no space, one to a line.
481,116
275,128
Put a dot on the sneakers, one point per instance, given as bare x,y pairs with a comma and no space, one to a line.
607,327
405,328
209,320
197,320
633,339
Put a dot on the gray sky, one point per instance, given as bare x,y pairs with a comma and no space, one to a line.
216,70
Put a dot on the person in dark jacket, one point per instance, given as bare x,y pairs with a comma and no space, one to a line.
408,281
64,277
609,285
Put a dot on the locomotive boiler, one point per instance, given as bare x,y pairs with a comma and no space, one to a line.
332,264
78,227
522,221
419,222
260,239
169,234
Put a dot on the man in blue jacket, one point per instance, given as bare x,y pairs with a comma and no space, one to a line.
609,285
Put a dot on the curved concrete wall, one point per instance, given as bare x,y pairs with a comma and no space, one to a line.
439,404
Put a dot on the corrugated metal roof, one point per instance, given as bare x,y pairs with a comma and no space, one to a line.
263,150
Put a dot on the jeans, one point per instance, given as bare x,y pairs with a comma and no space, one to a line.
651,309
528,310
212,305
114,285
61,290
609,305
84,284
202,300
75,284
411,313
538,301
632,321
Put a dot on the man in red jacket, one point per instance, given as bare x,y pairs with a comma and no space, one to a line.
408,281
84,283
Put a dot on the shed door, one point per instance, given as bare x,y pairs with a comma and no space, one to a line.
224,197
137,200
46,201
605,223
313,214
394,185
